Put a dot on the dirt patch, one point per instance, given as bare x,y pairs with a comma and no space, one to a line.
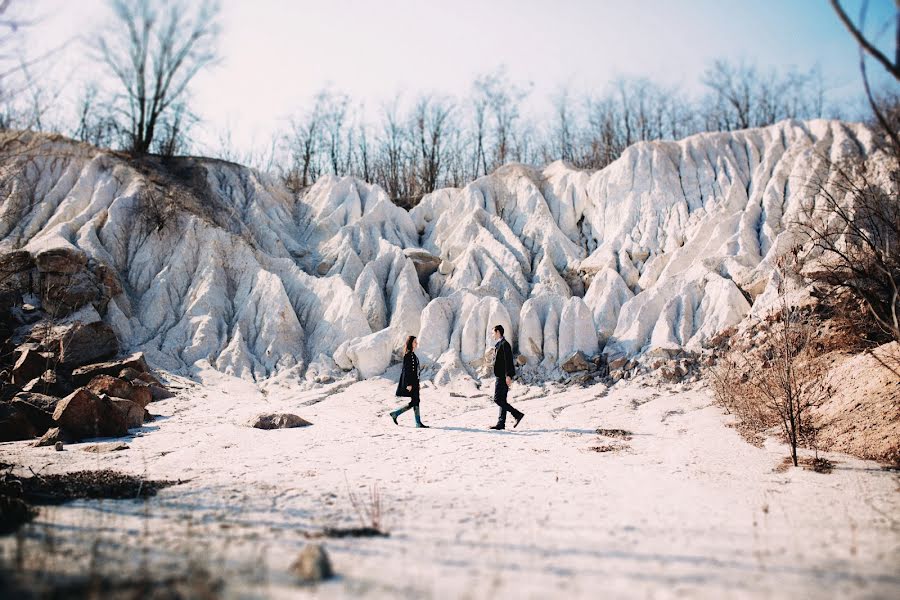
84,485
818,464
615,433
348,532
602,448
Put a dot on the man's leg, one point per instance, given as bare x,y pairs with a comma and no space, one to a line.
500,390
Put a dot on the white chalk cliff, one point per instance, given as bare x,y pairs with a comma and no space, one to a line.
660,250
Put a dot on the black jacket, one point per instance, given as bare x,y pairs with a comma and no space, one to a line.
409,375
503,362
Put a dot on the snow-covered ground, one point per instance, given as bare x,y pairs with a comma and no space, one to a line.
684,508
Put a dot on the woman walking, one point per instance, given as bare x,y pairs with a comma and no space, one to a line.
409,382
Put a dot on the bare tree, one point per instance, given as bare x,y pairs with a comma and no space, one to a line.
777,379
154,50
503,99
431,121
853,224
563,143
867,48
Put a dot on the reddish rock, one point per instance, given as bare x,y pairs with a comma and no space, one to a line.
119,388
55,436
64,293
133,412
50,383
30,365
160,393
14,424
84,374
85,343
37,408
84,414
61,260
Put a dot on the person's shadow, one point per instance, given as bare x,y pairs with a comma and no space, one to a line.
510,430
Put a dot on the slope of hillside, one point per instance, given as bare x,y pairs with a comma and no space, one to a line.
203,262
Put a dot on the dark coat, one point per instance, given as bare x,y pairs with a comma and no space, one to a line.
503,361
409,376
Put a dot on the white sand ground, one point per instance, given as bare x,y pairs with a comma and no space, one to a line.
685,508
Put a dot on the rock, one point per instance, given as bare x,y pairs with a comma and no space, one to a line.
50,383
85,343
105,447
84,414
15,262
617,362
15,271
134,412
30,365
160,393
63,293
61,260
37,408
129,374
576,362
54,436
84,374
148,378
522,360
277,421
425,263
14,424
113,386
312,564
58,446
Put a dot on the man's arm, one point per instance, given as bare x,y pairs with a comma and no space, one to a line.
510,366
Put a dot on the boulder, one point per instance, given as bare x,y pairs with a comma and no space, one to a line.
84,374
85,343
277,421
134,412
84,414
577,362
617,362
424,262
37,408
55,436
160,393
30,365
129,374
119,388
51,384
105,447
14,424
148,378
61,260
15,271
64,293
312,564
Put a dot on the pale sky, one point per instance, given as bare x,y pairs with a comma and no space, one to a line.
277,54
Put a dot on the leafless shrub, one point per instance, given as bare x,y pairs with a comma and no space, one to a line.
778,381
368,509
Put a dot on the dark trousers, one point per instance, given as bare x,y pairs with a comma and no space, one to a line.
500,392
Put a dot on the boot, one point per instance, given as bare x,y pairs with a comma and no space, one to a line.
397,413
419,423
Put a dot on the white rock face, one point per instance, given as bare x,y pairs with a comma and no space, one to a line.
222,265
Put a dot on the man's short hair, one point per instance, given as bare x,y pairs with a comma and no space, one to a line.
499,328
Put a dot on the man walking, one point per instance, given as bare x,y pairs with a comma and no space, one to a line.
504,369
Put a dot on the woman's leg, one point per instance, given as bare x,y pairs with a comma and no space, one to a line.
401,410
415,404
